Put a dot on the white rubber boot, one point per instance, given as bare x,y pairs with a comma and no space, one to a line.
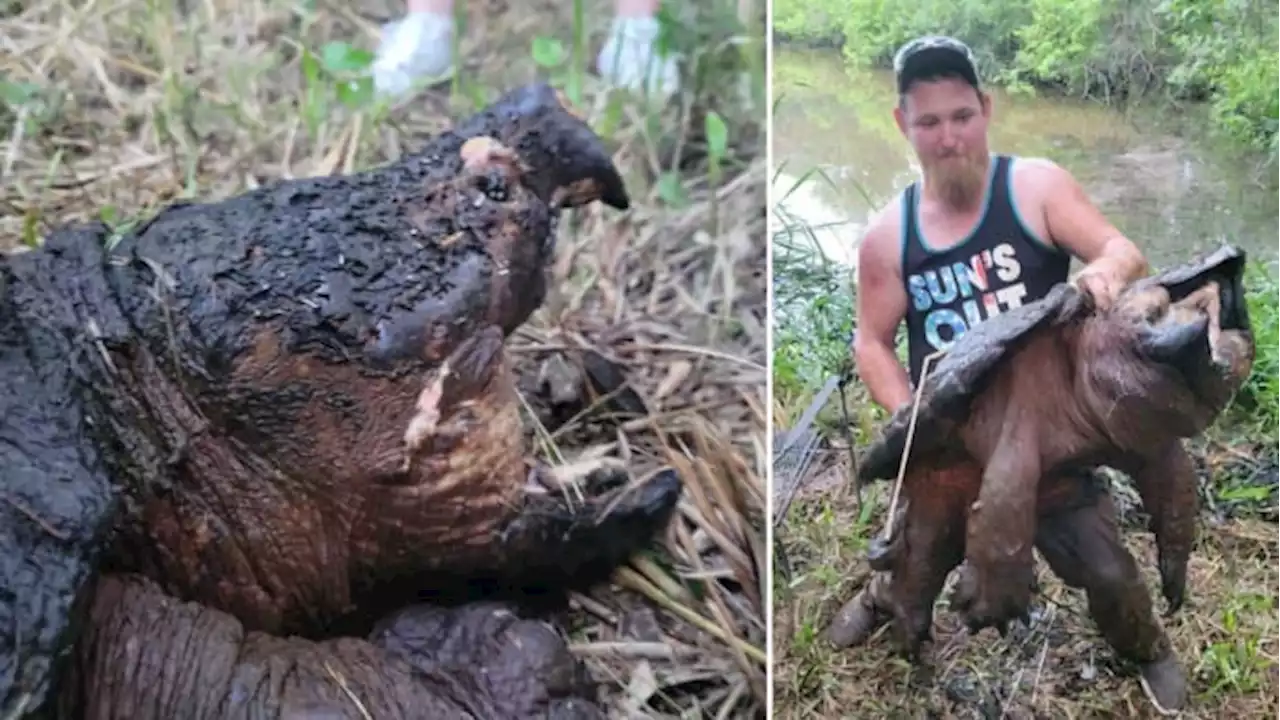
415,50
629,58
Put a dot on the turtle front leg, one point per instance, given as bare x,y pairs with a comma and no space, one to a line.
928,544
1166,482
472,516
996,584
561,539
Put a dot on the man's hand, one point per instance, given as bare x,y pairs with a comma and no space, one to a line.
1100,285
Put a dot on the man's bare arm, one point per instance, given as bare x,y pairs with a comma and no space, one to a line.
881,306
1076,225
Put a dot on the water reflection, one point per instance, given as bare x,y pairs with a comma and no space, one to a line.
816,220
1160,184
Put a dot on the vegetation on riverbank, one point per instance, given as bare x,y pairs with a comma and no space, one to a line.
113,110
1222,52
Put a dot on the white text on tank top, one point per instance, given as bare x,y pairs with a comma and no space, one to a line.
988,284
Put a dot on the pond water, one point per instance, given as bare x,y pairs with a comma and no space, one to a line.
1153,175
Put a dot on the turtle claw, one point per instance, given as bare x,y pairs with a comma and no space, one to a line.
986,604
881,553
1175,596
1174,601
566,542
912,629
979,619
913,650
1173,585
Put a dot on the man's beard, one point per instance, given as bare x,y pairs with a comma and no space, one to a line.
959,181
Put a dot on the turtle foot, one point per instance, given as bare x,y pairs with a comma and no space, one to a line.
856,621
582,522
994,595
525,664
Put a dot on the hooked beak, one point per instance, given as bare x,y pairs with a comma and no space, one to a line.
1182,345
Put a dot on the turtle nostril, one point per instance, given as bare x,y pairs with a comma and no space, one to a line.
494,184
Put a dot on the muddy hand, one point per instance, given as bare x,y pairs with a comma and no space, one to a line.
568,163
993,598
561,540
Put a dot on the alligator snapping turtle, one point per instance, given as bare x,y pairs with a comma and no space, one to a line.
291,410
1019,411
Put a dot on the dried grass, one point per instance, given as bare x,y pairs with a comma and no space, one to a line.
143,102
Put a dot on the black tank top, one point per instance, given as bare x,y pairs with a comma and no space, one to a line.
1000,266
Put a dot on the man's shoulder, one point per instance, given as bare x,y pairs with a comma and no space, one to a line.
1036,169
1029,160
884,225
1036,181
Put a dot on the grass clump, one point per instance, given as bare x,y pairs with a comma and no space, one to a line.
113,110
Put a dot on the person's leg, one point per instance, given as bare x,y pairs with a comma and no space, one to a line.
629,57
861,616
419,46
1083,547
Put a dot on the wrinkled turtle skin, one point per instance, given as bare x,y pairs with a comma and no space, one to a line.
1026,402
147,655
290,413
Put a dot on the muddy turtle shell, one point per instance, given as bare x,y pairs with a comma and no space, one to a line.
963,371
955,379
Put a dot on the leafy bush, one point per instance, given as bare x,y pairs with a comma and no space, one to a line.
1222,51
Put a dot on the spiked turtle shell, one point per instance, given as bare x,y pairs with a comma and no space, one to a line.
962,372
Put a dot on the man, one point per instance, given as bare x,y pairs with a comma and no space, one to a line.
978,235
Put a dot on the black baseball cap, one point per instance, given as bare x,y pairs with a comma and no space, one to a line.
934,55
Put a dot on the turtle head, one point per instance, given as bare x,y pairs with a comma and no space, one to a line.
568,164
1203,332
1186,344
